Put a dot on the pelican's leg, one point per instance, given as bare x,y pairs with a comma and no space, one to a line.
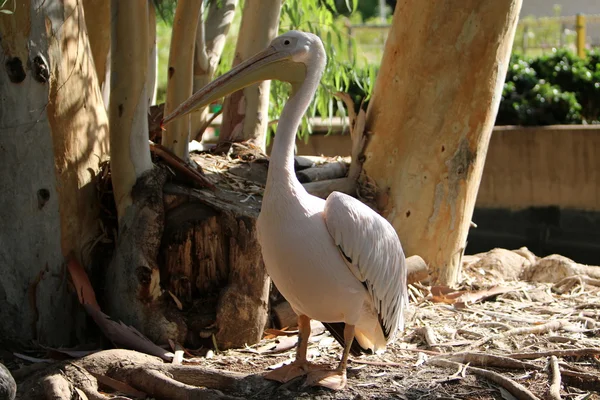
334,379
300,366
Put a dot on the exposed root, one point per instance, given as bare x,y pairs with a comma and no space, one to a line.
134,374
488,360
516,389
159,385
566,284
554,372
57,387
581,380
558,353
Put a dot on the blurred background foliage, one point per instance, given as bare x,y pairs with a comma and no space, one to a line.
553,86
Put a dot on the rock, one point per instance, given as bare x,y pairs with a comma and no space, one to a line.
8,386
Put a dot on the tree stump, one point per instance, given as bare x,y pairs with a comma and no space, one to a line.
211,260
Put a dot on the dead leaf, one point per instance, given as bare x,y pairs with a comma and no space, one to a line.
481,295
125,335
83,287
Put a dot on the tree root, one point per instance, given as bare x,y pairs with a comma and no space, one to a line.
554,373
516,389
488,360
590,351
134,374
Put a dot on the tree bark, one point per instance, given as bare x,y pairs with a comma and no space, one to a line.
245,113
133,293
210,41
97,21
176,137
152,78
53,136
130,154
431,117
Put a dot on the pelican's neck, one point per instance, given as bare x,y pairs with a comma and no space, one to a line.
281,166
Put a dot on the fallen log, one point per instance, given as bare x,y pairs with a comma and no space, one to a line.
333,170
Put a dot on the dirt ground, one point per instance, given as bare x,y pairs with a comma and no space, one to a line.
405,371
496,337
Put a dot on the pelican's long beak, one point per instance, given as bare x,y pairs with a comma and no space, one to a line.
266,65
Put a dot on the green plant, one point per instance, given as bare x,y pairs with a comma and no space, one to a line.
6,10
559,88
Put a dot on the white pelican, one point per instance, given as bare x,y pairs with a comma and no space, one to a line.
334,260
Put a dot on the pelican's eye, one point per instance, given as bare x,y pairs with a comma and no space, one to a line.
286,42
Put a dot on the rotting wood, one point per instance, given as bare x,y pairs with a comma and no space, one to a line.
212,260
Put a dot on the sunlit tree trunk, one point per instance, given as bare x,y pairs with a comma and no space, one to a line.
152,76
53,136
210,41
180,75
130,154
245,113
97,21
431,117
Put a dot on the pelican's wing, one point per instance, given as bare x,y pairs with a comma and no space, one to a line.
373,253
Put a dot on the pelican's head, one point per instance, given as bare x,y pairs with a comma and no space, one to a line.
290,57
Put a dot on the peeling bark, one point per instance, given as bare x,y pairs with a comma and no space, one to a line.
431,117
53,136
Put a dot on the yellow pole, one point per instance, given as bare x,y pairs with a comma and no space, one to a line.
580,29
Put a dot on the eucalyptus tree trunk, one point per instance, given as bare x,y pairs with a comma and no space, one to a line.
431,117
53,136
180,77
245,113
210,41
97,21
152,77
133,292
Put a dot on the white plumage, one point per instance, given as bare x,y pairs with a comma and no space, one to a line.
379,263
